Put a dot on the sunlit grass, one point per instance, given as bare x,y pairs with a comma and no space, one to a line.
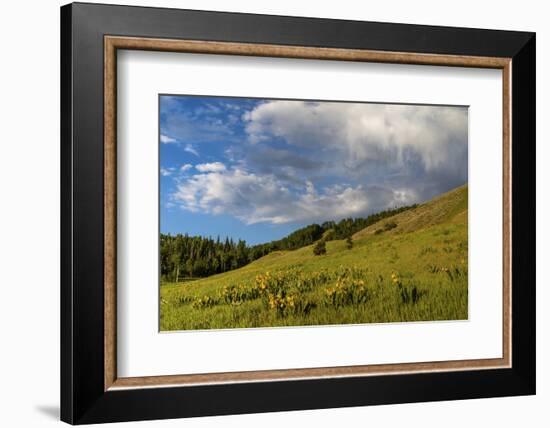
394,276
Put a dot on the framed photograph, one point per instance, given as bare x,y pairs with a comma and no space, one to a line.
265,213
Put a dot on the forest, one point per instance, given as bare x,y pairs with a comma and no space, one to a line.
184,257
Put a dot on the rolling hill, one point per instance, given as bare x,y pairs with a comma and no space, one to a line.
412,266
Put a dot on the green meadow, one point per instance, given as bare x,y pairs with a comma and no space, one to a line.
409,267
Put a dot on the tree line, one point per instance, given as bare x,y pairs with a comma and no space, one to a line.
183,256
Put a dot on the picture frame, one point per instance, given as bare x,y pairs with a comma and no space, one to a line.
91,391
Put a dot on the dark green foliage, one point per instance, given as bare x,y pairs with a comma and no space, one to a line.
184,257
349,243
298,239
320,248
349,226
389,226
408,294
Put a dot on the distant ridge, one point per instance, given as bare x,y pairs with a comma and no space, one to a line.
448,207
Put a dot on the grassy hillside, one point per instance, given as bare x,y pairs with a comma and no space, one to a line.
450,207
409,267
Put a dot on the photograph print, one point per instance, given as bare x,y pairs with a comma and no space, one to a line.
279,212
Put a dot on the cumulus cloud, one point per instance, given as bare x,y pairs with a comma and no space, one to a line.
304,162
186,167
210,167
262,198
367,135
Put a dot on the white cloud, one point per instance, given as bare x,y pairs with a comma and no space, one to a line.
210,167
190,149
359,133
304,162
166,172
167,140
264,199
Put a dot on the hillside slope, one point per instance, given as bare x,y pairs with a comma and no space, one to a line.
448,207
424,255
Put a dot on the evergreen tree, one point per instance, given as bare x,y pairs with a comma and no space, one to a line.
184,256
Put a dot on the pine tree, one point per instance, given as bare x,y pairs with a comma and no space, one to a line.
183,256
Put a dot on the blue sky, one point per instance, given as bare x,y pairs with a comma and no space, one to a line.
257,169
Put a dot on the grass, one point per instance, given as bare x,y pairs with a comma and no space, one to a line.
415,270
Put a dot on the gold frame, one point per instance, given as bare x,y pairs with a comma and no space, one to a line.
113,43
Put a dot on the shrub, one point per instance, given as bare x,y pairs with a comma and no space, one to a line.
204,302
347,291
233,295
273,283
286,304
390,225
320,248
349,243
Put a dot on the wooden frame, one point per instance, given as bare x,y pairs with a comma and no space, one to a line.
518,309
112,43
